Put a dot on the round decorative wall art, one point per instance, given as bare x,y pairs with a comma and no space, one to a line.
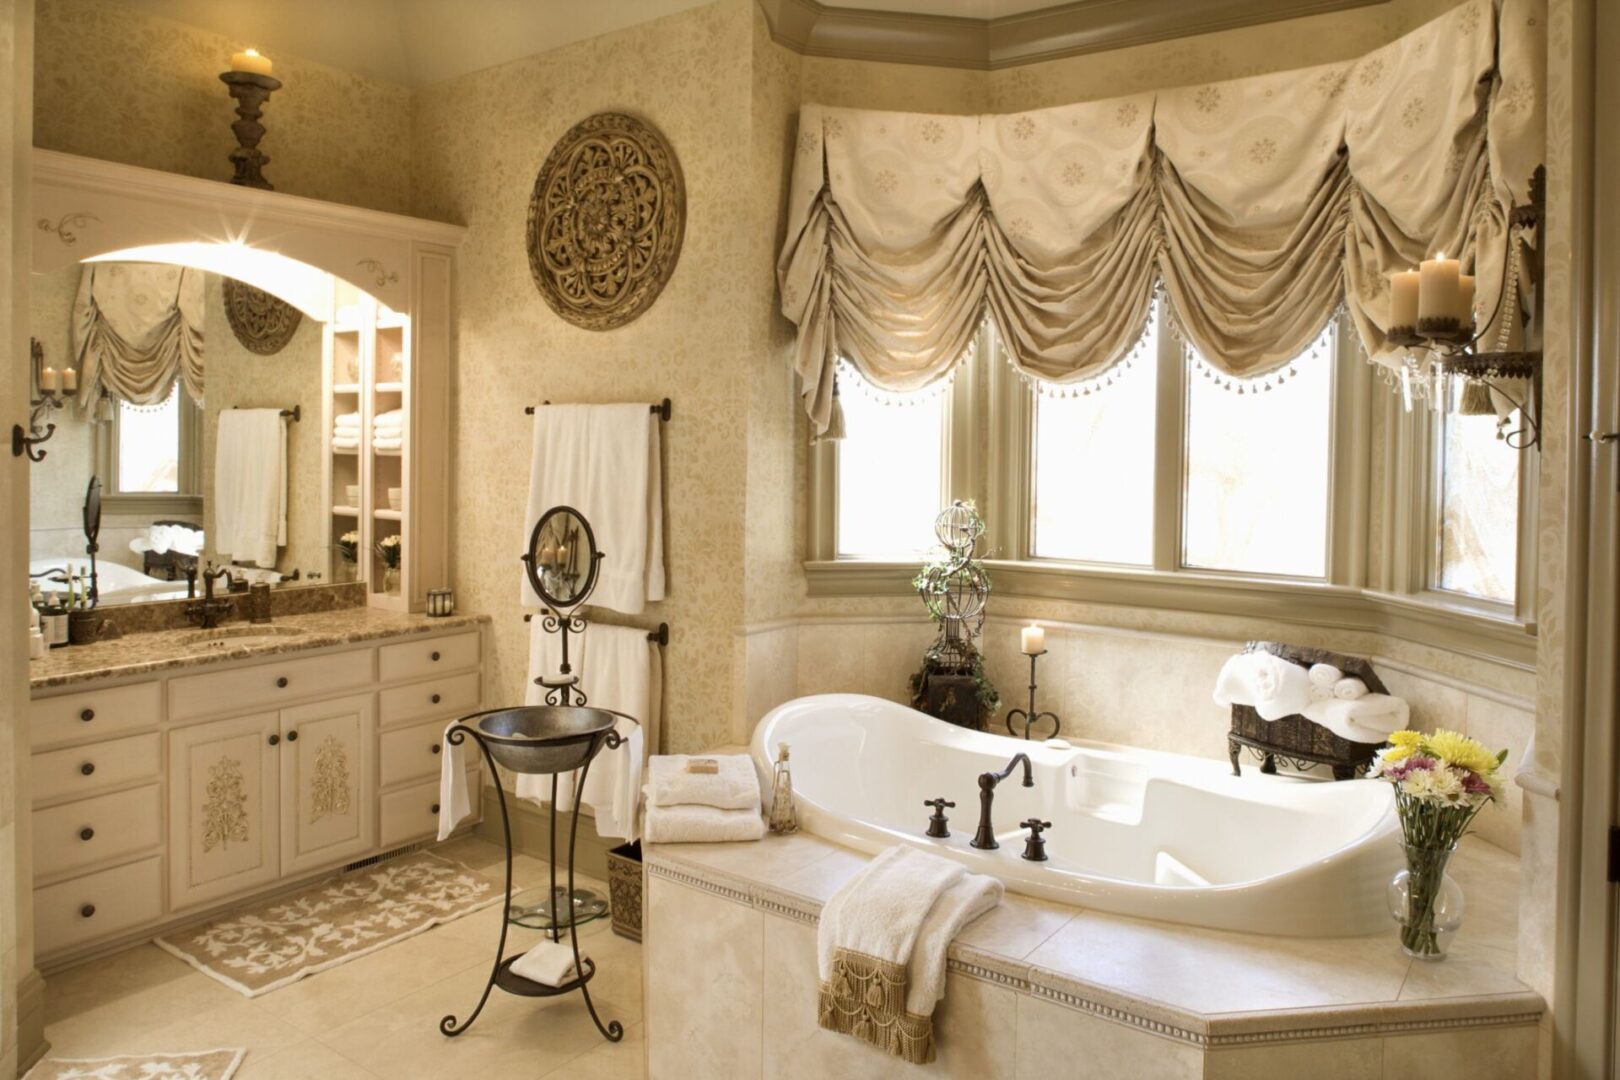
262,322
606,221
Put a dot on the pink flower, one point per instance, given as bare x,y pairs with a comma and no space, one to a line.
1475,784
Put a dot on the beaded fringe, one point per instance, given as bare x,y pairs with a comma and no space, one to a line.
866,998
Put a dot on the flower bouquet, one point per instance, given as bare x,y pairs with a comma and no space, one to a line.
1441,781
388,551
348,545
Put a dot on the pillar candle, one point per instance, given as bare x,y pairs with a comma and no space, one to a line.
1439,290
251,62
1034,640
70,379
1465,302
49,380
1403,298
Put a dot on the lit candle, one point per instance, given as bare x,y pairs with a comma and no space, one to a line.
1439,288
49,380
1465,305
70,379
1034,640
249,61
1403,299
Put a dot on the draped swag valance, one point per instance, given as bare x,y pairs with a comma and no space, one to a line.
138,327
1260,205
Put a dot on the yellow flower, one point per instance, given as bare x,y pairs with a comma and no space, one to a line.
1396,753
1457,749
1407,740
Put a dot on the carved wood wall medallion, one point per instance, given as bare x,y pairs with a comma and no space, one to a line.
606,221
262,322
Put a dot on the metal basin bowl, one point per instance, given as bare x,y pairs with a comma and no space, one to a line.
545,738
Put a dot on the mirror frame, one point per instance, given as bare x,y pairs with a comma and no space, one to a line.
531,560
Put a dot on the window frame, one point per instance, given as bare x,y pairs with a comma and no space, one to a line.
186,501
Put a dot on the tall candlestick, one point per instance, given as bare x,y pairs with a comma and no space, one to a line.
1439,289
250,61
1033,640
1403,299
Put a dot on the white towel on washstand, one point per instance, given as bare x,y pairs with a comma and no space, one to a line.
550,963
733,785
881,945
455,801
1274,686
1367,719
250,485
603,460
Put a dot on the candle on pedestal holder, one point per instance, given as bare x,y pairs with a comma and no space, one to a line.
251,84
1033,642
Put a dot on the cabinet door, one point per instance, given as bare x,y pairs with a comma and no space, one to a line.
224,822
328,782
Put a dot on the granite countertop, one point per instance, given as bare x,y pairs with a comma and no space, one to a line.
165,650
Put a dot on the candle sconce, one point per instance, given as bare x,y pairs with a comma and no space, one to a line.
1463,376
1030,716
50,398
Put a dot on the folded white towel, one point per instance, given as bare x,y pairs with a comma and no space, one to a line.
1368,719
392,416
455,804
348,419
1324,675
1349,689
346,442
700,825
1274,686
380,443
550,963
735,786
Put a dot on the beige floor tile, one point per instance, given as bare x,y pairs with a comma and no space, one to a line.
626,1060
302,1061
93,1009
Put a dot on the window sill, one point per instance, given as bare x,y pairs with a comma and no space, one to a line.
166,504
1428,619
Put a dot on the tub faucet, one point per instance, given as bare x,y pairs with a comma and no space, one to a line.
985,837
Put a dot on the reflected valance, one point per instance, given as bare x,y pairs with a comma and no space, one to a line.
1258,206
138,327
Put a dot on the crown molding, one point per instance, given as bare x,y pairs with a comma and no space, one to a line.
1083,26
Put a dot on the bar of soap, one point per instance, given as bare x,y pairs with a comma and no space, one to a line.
703,766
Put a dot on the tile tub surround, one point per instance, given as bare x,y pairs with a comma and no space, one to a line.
1041,989
144,654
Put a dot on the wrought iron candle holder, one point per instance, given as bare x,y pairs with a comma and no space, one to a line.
1031,716
23,440
251,92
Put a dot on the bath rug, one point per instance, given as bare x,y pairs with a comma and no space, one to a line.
273,943
202,1065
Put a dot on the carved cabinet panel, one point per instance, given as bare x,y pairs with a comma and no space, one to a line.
328,782
224,792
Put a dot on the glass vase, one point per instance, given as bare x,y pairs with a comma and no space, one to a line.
391,580
1426,902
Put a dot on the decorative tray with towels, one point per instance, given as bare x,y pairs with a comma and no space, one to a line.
1307,707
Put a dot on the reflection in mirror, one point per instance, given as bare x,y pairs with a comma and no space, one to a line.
562,558
157,358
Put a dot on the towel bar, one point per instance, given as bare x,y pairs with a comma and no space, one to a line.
296,412
660,635
664,409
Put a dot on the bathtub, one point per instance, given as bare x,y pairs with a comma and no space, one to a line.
1134,832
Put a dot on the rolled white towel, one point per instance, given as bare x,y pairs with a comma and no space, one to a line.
1368,719
550,963
1349,689
733,786
700,825
1274,686
1321,693
1324,675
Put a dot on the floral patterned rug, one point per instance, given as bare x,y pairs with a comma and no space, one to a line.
203,1065
271,944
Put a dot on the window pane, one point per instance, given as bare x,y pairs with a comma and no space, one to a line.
1094,468
149,446
891,475
1479,509
1257,472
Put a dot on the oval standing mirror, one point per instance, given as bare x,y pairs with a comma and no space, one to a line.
562,557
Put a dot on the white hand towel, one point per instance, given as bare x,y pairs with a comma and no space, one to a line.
1274,686
250,485
1349,689
550,963
735,786
700,825
455,804
1367,719
604,461
1324,675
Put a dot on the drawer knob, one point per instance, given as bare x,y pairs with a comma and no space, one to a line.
292,736
275,740
436,748
281,683
435,699
87,911
87,768
434,657
435,808
87,715
87,833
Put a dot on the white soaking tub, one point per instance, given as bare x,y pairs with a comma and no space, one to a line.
1134,832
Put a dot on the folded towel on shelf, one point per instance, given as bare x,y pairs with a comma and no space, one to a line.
347,420
455,804
881,945
345,444
732,786
380,443
1324,675
393,417
550,963
1349,689
1274,686
700,825
250,485
1367,719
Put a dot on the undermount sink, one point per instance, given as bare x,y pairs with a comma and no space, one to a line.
238,637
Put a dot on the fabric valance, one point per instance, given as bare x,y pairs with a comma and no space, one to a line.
1259,206
137,327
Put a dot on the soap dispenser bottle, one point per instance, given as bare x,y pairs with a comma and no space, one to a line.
783,820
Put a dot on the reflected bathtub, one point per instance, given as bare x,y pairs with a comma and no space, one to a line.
1134,832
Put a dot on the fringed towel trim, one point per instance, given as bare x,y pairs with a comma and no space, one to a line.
866,998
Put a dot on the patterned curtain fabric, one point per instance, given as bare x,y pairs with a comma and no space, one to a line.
137,327
1259,206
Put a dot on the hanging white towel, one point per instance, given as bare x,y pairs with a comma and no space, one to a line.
603,460
250,485
455,804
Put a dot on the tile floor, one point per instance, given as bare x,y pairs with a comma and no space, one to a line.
373,1017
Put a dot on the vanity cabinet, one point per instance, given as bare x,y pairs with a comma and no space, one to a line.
157,801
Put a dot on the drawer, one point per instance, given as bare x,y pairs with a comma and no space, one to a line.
429,656
93,830
412,753
98,905
85,770
268,685
450,696
412,813
94,713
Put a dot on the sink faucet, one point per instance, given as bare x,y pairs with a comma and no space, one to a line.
206,612
985,837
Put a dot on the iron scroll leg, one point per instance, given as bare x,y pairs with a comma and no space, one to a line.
448,1025
613,1031
1234,750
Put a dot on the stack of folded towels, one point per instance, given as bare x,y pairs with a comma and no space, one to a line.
346,431
702,799
387,430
